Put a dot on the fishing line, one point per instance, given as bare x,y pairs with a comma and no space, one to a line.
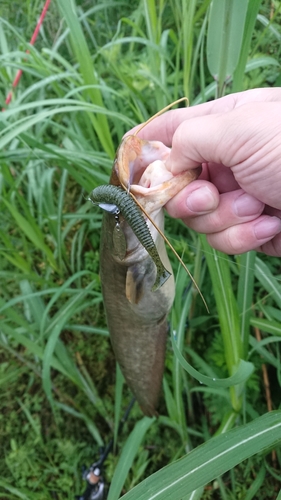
226,259
159,113
96,488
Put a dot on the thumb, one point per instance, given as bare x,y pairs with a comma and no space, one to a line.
199,140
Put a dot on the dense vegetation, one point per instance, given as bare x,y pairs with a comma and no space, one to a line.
97,69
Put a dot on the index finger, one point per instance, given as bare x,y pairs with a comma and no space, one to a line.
164,126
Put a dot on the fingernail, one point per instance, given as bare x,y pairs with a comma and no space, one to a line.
201,201
267,228
246,204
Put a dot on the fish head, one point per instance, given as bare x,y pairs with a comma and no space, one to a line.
141,167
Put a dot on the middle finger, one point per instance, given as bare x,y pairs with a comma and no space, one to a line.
235,207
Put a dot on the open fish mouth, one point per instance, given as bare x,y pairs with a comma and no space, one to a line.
140,166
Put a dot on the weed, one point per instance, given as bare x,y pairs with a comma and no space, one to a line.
96,71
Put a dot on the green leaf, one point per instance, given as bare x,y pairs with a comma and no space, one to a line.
87,69
219,268
257,483
32,232
252,11
33,303
244,370
245,295
267,326
224,38
210,460
17,493
268,281
88,421
128,454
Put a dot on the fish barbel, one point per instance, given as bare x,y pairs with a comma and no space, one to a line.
137,314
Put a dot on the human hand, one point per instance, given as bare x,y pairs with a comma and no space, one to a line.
237,199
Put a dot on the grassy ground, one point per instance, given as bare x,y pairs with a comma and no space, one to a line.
95,71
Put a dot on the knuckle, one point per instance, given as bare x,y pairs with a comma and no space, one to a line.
228,241
235,244
272,247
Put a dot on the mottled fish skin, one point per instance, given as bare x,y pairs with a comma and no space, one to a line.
136,315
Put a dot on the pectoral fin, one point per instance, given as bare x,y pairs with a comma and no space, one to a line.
134,285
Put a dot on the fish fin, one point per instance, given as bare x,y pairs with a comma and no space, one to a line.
134,286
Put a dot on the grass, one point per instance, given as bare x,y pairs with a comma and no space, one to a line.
90,77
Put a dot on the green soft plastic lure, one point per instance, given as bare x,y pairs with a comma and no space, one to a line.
116,200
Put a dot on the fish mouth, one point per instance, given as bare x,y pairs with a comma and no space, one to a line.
140,166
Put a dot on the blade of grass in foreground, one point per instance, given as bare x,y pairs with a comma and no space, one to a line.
210,460
227,308
245,295
128,454
244,370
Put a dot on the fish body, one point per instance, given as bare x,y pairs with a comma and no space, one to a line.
136,311
136,315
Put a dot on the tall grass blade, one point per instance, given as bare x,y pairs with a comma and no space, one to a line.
268,281
256,484
226,304
210,460
88,421
279,496
127,456
188,11
179,315
251,17
87,69
33,233
246,264
266,325
227,311
17,493
244,370
224,38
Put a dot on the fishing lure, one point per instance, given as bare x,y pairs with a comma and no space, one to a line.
116,200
